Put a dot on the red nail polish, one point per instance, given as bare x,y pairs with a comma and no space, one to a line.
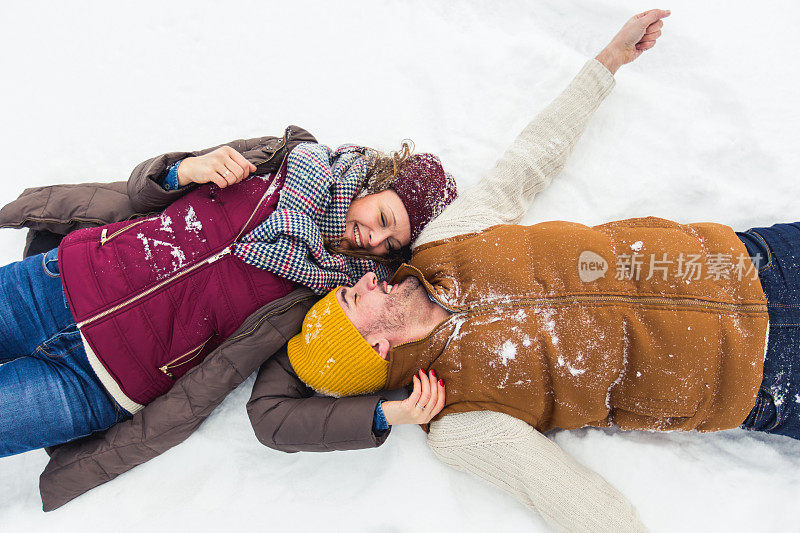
441,383
433,373
421,371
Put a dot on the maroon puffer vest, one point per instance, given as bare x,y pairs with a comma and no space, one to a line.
154,295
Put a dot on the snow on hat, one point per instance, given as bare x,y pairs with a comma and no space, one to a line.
330,355
424,189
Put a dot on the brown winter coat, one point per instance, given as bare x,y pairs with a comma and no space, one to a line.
530,339
284,412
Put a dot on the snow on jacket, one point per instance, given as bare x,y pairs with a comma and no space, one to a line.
532,336
154,295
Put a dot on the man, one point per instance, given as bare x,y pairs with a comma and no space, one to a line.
562,325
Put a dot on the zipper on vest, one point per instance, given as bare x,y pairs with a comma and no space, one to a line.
166,368
261,201
105,237
269,315
207,261
685,301
191,355
216,257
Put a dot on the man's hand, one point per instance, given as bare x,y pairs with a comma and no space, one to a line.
224,166
636,36
425,402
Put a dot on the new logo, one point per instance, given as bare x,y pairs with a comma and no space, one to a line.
591,266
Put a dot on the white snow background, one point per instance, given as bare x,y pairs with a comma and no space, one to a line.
701,128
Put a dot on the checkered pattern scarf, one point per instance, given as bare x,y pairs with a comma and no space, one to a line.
316,194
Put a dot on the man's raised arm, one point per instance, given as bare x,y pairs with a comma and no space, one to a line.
503,195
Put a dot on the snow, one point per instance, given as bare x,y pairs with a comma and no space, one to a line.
178,256
192,223
562,361
508,352
701,128
166,223
548,322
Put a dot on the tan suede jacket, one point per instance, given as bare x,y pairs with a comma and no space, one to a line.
636,343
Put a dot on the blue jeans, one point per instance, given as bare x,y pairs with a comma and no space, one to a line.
777,408
48,392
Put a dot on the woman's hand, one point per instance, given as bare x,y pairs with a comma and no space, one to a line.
425,402
636,36
224,166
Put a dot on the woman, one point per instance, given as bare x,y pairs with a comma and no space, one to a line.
98,328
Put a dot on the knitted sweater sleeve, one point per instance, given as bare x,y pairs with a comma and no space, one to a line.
503,195
510,454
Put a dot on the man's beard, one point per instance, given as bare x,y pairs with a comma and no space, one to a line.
404,306
405,290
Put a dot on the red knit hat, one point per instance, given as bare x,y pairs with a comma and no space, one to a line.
425,190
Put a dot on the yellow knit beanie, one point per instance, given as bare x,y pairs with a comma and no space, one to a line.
331,356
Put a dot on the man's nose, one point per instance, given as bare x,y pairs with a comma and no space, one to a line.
368,281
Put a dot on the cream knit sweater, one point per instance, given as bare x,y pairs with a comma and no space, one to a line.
496,447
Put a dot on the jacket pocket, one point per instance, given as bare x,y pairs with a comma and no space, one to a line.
106,235
179,363
766,249
50,263
766,413
658,407
663,414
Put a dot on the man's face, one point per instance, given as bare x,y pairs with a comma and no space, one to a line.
382,312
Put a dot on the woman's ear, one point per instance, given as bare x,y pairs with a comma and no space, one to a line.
381,346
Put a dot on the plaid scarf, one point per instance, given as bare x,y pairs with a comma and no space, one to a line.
315,197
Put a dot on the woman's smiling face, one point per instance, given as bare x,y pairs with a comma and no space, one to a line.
377,223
